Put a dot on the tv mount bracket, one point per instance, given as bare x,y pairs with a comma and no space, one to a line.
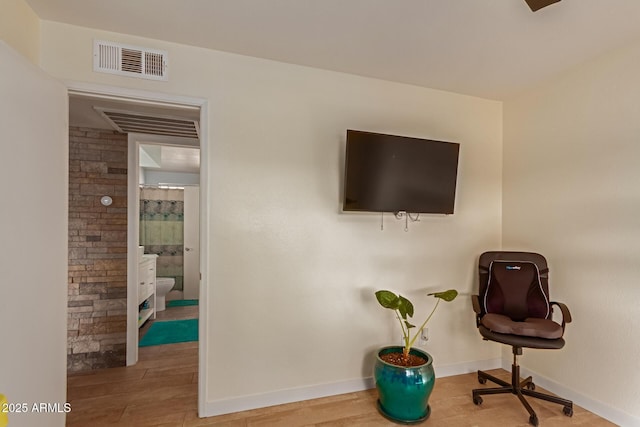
399,216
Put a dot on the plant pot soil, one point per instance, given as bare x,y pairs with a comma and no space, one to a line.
399,359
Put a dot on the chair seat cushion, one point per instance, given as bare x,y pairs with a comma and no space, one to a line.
530,327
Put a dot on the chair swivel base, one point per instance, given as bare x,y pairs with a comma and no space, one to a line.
522,388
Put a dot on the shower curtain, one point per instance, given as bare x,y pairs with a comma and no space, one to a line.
162,230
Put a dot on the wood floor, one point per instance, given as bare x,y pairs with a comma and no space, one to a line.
161,390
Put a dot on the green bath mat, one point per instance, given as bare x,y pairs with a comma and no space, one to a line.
181,302
170,331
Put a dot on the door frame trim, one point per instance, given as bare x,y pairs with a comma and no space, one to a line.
147,97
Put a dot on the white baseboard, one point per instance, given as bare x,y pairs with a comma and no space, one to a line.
280,397
601,409
244,403
467,367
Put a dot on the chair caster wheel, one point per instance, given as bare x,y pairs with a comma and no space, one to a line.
531,386
477,400
533,420
568,411
482,380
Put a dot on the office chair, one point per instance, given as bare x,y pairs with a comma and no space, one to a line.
513,308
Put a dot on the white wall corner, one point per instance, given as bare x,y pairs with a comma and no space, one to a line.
599,408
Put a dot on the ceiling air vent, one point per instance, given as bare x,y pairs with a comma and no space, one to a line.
132,61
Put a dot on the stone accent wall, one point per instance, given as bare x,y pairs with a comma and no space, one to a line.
97,307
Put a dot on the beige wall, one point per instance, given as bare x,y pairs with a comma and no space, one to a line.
279,244
291,277
20,28
33,226
278,237
571,174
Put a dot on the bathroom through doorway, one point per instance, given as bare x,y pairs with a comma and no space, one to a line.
91,111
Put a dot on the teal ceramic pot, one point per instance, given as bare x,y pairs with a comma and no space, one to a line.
404,392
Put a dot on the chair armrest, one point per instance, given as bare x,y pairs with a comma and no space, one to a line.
475,302
566,315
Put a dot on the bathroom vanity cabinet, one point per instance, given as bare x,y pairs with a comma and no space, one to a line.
146,288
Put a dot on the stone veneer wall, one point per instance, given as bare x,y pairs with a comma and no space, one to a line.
97,307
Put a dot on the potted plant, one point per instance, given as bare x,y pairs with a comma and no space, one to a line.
404,375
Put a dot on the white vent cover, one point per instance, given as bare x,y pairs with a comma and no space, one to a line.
132,61
154,124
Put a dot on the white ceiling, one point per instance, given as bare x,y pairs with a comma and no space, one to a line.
488,48
170,158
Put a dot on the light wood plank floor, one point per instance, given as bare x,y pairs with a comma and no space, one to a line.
161,390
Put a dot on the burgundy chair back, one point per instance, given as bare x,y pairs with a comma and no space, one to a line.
515,284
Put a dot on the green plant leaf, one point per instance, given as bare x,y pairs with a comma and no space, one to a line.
405,307
448,296
409,325
388,299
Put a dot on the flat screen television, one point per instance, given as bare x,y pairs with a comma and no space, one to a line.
387,173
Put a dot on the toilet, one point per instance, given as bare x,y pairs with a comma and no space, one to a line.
163,286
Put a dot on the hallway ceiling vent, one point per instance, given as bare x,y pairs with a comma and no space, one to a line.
153,124
131,61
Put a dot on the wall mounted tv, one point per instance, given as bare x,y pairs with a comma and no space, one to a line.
387,173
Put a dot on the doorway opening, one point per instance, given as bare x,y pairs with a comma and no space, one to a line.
169,234
108,126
